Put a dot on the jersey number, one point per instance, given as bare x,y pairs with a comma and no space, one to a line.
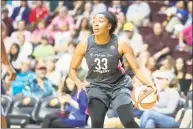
100,65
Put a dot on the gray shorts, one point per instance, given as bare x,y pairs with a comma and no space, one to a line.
115,94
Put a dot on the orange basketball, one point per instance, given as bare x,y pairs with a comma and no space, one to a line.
144,98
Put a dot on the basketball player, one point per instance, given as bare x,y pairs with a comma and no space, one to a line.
108,82
10,70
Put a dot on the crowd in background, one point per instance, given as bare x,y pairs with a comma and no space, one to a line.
42,36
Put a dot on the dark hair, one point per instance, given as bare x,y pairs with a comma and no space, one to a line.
184,68
112,18
14,57
65,88
87,26
73,43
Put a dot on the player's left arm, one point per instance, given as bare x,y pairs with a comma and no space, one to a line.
126,50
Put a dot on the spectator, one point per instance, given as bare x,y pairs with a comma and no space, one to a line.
26,48
7,20
52,75
86,13
157,42
184,115
151,64
168,64
62,18
39,86
121,22
137,12
134,38
177,14
84,29
39,32
78,9
67,87
13,56
98,7
62,38
184,78
44,49
4,5
55,6
161,116
22,78
38,13
65,59
116,7
21,13
21,29
76,107
189,19
185,39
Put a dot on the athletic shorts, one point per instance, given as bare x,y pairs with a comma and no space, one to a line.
116,94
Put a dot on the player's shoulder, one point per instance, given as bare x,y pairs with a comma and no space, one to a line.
122,41
83,44
86,40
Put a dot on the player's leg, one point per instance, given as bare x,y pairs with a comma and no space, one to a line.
97,110
126,116
3,122
98,103
3,119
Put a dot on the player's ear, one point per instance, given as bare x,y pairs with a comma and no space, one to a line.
109,26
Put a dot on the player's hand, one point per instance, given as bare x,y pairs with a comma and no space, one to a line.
154,88
12,73
82,85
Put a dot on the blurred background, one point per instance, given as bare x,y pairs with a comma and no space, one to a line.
41,38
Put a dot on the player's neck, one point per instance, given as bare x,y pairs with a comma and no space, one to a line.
102,39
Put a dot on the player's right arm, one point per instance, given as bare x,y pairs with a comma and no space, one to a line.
75,63
6,62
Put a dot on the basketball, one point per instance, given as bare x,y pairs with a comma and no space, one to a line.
144,98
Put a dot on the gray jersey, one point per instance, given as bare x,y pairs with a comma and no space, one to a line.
103,61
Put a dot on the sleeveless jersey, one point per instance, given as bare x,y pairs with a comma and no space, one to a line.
103,61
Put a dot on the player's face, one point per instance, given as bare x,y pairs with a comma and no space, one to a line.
100,25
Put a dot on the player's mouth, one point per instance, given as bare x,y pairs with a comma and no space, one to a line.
96,30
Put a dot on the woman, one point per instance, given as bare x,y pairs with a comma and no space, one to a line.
184,78
84,30
108,81
73,115
13,56
53,75
163,113
39,32
167,64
